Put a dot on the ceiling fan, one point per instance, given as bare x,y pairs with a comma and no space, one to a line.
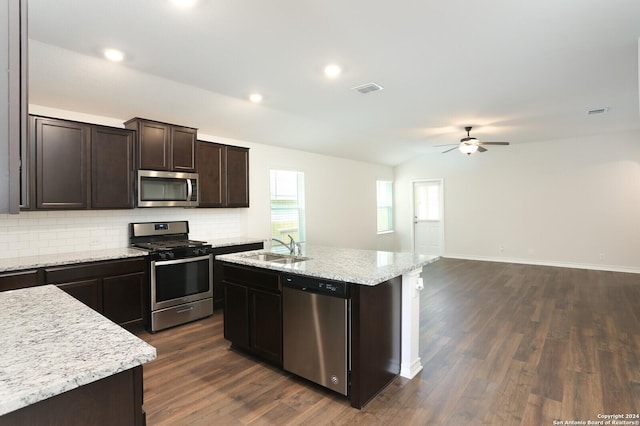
470,145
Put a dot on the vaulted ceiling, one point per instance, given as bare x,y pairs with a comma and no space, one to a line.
520,71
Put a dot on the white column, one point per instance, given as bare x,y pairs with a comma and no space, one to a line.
410,358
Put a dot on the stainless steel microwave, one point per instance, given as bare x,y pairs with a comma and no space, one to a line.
167,189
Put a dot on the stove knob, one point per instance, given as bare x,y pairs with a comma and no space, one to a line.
171,255
162,255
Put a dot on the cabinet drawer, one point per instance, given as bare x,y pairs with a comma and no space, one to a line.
16,280
87,270
252,277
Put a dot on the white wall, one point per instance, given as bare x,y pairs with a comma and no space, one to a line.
340,206
340,196
573,202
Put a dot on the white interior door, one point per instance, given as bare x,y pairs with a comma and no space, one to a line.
428,217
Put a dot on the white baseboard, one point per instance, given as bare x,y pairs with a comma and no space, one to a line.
410,371
596,267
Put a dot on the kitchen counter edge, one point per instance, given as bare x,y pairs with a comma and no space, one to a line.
356,266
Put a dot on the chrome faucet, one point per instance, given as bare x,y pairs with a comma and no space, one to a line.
292,246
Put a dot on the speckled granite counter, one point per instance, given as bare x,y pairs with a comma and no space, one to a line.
43,261
51,343
367,267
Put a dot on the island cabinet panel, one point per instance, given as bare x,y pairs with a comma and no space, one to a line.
117,289
62,163
20,279
218,286
162,146
375,338
112,168
224,175
114,400
253,311
236,314
266,324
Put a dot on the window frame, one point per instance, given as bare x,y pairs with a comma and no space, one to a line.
387,204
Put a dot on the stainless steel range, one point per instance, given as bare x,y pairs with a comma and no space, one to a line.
181,272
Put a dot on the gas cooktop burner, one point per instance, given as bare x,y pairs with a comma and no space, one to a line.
169,244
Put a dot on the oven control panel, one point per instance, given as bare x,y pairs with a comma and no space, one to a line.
181,253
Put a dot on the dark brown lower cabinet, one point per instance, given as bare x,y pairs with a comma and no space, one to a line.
253,322
253,311
236,314
88,292
114,400
117,289
123,300
265,323
218,286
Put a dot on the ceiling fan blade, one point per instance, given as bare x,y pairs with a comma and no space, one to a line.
448,144
450,149
481,149
493,143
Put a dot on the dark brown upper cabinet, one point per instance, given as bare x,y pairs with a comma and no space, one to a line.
237,177
162,146
224,175
112,168
71,165
62,176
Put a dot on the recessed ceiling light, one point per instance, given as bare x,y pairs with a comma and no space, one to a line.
184,4
256,98
113,55
332,70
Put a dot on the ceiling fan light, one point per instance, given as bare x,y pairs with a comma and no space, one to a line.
468,148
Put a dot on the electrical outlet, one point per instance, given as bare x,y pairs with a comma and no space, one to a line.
501,249
601,257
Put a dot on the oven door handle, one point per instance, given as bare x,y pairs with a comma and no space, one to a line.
177,261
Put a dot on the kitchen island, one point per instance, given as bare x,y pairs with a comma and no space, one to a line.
63,363
382,289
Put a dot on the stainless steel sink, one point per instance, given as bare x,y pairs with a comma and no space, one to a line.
276,258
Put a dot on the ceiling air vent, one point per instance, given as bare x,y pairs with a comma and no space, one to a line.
597,111
368,88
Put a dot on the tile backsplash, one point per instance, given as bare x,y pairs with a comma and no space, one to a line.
51,232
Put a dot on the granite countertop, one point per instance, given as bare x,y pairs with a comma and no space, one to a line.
73,257
367,267
51,343
47,260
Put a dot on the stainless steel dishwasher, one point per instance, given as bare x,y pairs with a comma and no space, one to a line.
316,331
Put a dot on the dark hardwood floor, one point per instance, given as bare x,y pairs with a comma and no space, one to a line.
501,344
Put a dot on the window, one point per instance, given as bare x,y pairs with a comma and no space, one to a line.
287,205
385,205
427,200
